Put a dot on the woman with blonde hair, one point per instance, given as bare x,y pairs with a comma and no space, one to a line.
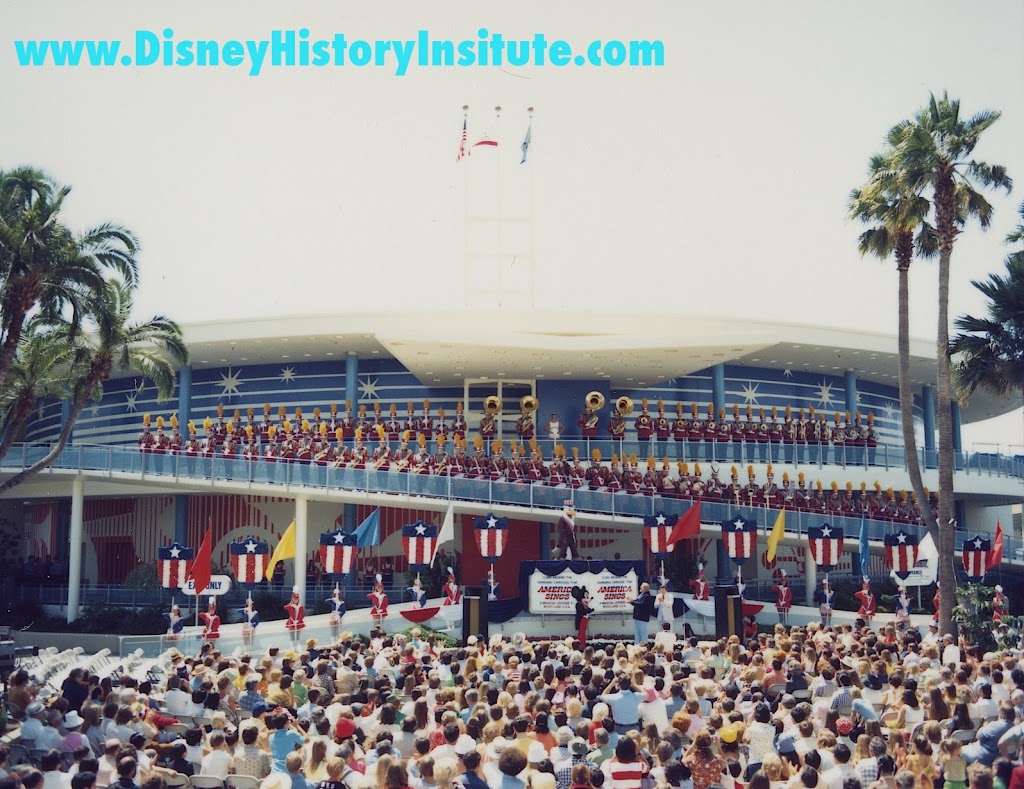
445,772
316,767
382,768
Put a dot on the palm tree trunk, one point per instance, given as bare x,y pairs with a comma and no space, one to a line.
10,344
904,254
65,434
20,418
946,228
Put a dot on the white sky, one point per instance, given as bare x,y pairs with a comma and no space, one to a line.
726,172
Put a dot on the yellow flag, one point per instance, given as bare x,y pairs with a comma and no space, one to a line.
778,532
284,550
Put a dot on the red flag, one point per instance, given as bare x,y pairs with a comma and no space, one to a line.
687,526
201,567
995,556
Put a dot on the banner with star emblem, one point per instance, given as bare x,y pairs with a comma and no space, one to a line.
975,556
419,540
491,536
901,553
338,551
657,530
173,565
740,537
249,560
826,543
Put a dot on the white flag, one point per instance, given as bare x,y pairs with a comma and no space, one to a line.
446,533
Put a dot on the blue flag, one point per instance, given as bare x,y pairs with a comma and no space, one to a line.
865,551
368,532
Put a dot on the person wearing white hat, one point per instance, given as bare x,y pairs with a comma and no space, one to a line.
74,737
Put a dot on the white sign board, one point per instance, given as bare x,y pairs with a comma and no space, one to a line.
609,593
919,576
219,584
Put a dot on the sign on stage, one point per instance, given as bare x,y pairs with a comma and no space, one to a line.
609,593
219,584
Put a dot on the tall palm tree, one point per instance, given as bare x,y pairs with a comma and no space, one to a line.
113,343
933,154
42,367
45,267
896,215
991,349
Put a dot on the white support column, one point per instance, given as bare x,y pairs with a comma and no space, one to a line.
811,577
301,521
75,548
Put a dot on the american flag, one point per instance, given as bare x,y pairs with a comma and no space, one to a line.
975,555
658,528
740,537
173,565
338,552
826,543
249,560
491,536
901,553
463,150
419,541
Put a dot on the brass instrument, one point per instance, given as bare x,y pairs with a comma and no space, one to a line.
528,403
492,405
595,401
624,405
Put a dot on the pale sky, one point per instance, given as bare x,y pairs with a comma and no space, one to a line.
720,178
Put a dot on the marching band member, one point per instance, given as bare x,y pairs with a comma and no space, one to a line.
613,477
175,623
651,479
336,422
296,612
701,589
146,439
644,425
714,489
723,435
775,436
514,465
382,454
192,446
378,604
452,592
536,471
694,433
393,426
710,431
763,437
348,424
697,487
324,452
459,423
1000,605
488,427
441,459
558,474
426,423
411,424
403,455
524,425
617,426
176,441
803,436
683,481
270,454
265,424
577,474
868,604
871,438
479,466
770,491
421,462
498,464
441,426
783,597
752,492
680,427
632,480
229,449
587,423
458,467
212,622
595,474
662,429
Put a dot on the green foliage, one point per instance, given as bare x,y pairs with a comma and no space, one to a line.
973,614
143,577
449,641
1010,633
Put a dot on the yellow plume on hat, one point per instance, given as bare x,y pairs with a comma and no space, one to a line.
693,410
298,414
575,453
316,412
769,470
238,415
421,440
643,403
533,444
785,476
381,433
287,426
146,420
334,409
393,409
761,414
735,471
248,431
191,426
811,409
207,424
775,412
632,459
863,486
721,413
878,486
818,482
846,416
266,409
496,446
220,409
323,428
750,411
661,405
440,412
800,476
679,409
837,417
835,485
405,435
376,407
478,442
750,471
664,463
426,405
458,407
339,434
735,411
789,412
362,410
409,404
849,487
230,428
348,405
160,423
281,412
271,431
440,440
683,468
249,412
305,425
871,417
696,469
651,462
801,413
595,455
359,434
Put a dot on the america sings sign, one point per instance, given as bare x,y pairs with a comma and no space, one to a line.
611,586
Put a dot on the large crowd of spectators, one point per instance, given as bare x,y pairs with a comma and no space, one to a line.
836,708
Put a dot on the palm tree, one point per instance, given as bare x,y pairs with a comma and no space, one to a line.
896,214
113,343
41,368
991,349
933,155
45,267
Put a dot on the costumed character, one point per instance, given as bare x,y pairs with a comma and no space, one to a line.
250,620
378,603
825,598
452,592
416,592
212,621
337,603
902,607
701,590
868,603
583,611
935,602
296,613
493,587
175,623
1000,605
783,597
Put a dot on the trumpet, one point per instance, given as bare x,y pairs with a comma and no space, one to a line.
492,404
528,403
624,405
595,401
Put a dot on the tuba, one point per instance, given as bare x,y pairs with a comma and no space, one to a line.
595,401
528,403
624,405
492,405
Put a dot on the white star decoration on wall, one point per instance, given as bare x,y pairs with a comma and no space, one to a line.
229,383
287,375
825,394
750,393
368,389
133,397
